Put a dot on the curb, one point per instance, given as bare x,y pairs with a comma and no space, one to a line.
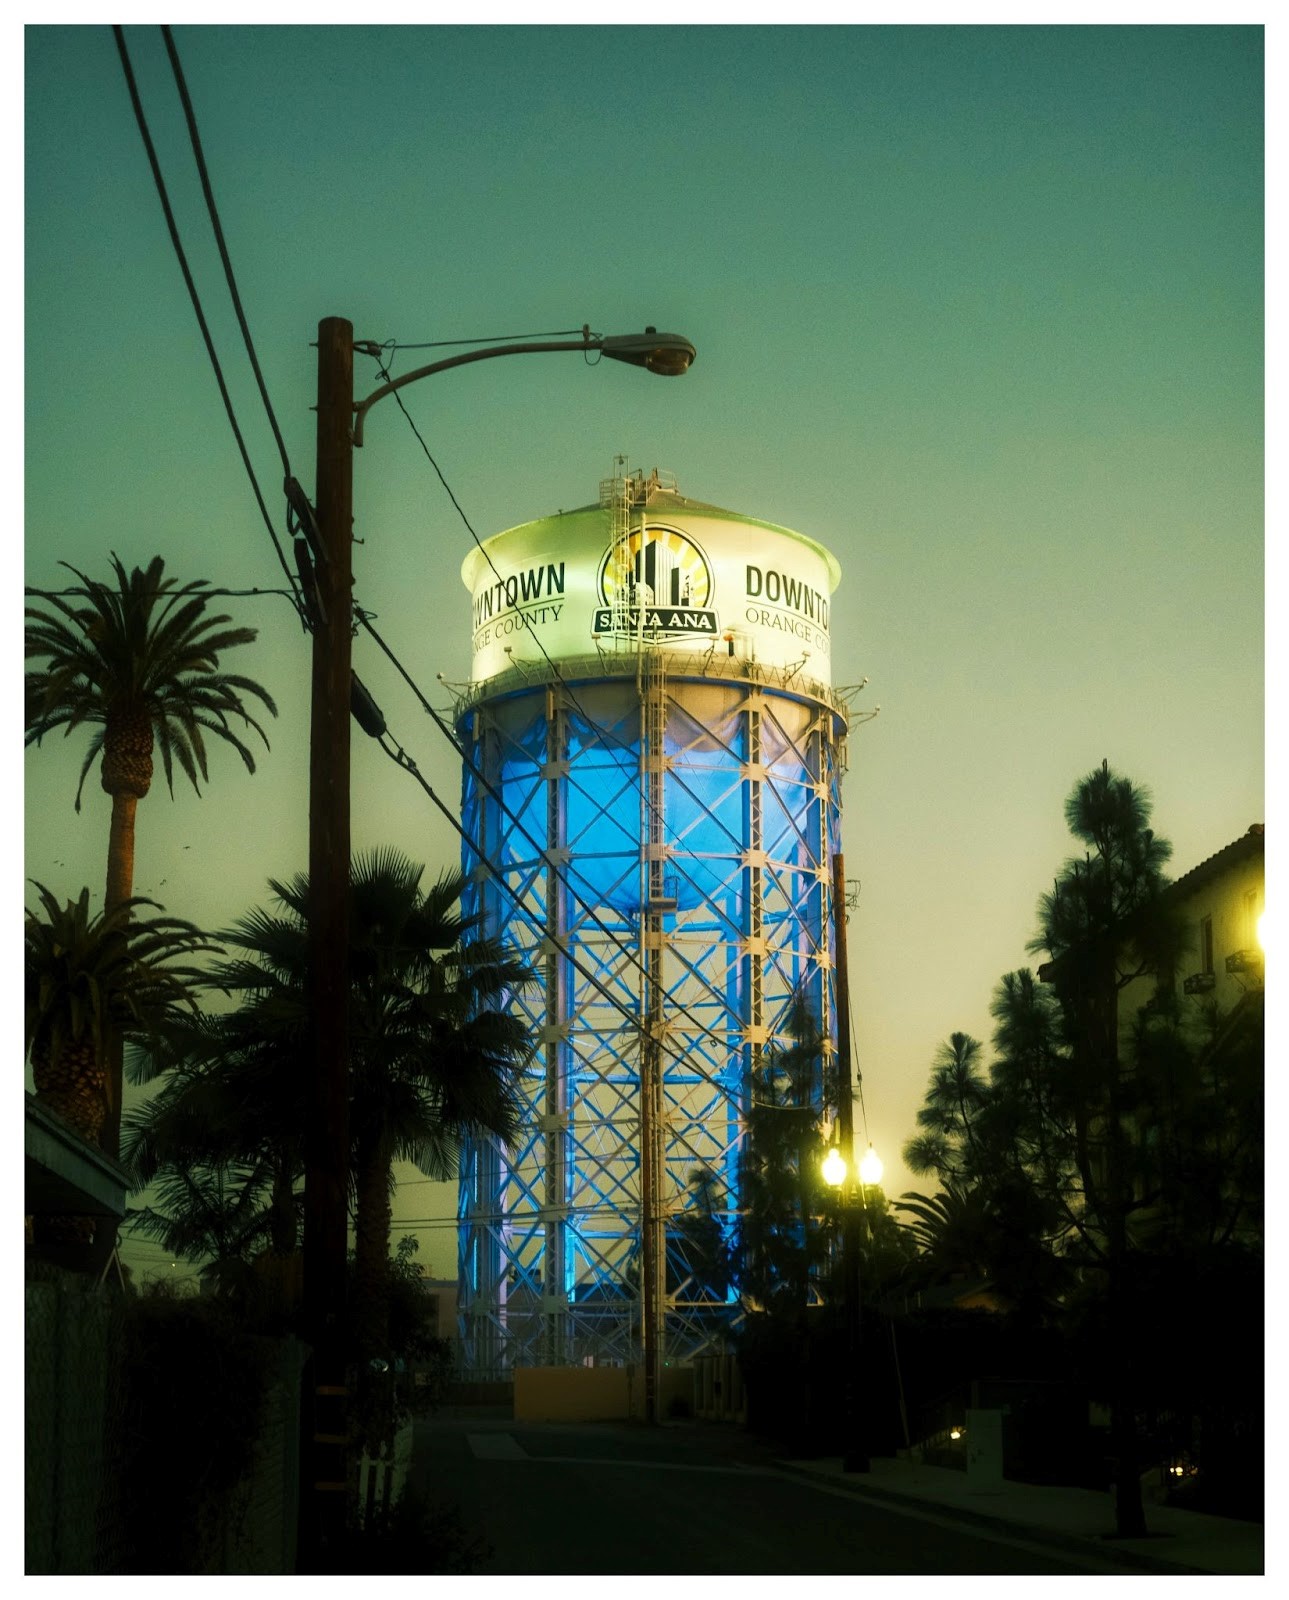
987,1522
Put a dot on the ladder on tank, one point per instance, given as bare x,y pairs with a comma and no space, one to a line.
615,494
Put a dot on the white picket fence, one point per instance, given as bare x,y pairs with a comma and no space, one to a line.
381,1478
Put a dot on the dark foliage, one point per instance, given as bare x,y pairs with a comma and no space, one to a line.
783,1239
193,1390
436,1057
1104,1176
413,1539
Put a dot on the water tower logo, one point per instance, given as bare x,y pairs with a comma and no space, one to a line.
655,581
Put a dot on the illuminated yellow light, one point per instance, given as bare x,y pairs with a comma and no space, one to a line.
955,1433
834,1168
870,1168
1258,931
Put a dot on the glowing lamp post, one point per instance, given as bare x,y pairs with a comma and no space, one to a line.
837,1173
836,1170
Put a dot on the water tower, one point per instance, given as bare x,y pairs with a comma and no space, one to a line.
653,758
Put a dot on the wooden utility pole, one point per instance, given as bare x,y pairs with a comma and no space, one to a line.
325,1467
855,1457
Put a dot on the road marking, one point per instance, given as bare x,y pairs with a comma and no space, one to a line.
496,1447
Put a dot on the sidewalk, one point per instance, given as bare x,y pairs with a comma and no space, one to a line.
1185,1541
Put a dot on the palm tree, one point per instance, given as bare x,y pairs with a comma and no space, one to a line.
92,979
139,662
212,1214
223,1109
434,1052
953,1230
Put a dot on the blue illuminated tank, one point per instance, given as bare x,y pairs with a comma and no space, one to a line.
654,753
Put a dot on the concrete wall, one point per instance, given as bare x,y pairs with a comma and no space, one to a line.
597,1394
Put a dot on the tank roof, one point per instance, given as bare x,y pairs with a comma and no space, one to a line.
659,500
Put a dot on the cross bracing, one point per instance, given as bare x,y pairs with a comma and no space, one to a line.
663,867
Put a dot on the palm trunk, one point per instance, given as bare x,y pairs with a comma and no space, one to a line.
120,886
282,1210
120,849
74,1090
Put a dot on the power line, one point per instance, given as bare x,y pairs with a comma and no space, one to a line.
592,727
364,619
171,225
400,758
596,732
206,190
404,761
529,838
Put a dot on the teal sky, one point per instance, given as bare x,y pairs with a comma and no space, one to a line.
977,308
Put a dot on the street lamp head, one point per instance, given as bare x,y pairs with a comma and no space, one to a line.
834,1168
667,354
870,1168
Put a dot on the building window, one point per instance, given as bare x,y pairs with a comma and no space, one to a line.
1206,944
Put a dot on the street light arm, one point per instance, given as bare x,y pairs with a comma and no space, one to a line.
667,354
362,407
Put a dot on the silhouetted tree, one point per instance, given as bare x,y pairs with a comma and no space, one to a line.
138,659
211,1214
782,1235
434,1055
699,1264
1106,1156
90,981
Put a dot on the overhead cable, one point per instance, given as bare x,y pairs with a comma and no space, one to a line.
400,758
206,190
592,915
592,727
159,181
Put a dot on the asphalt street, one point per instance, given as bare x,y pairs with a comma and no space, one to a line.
568,1500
